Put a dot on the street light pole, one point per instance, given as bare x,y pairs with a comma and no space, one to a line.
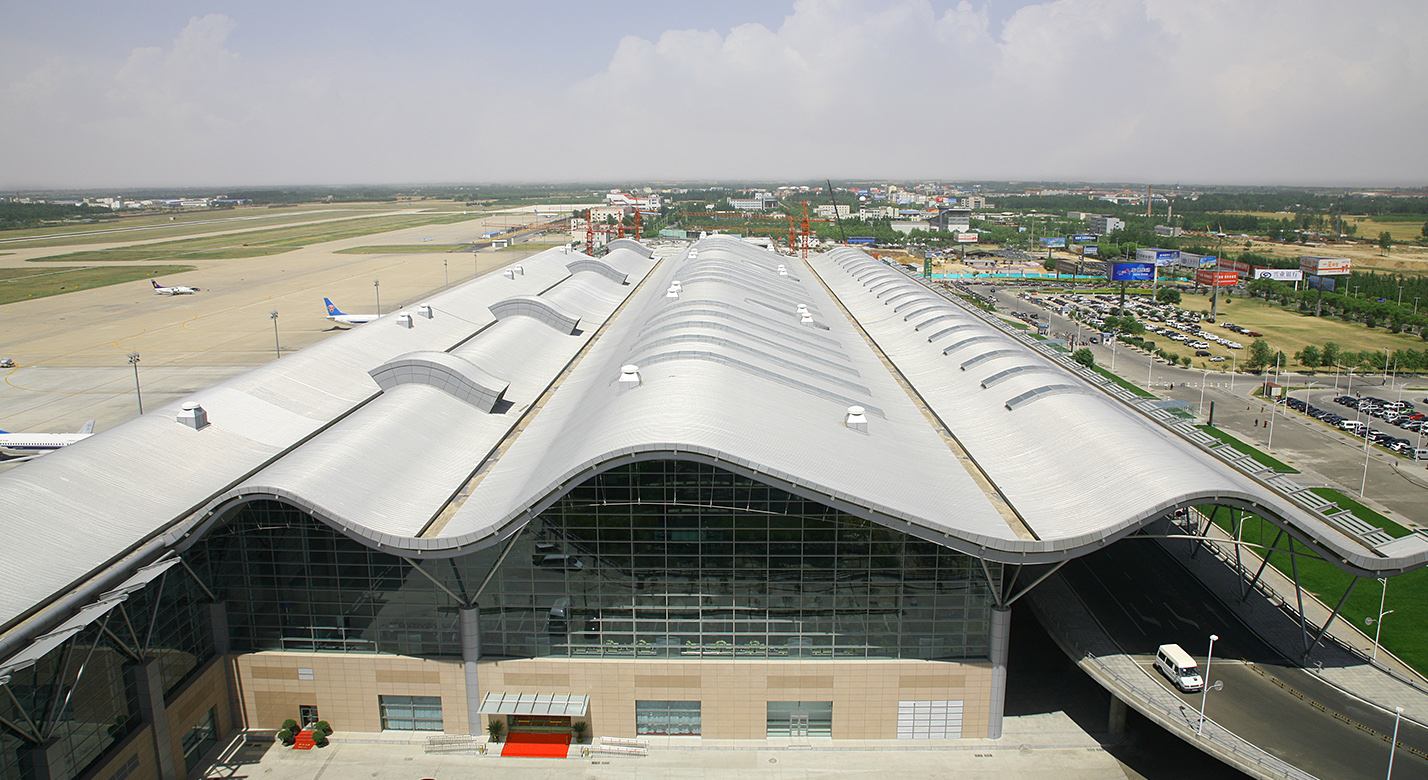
1204,377
446,270
377,285
277,346
1393,744
134,361
1379,621
1270,446
1205,685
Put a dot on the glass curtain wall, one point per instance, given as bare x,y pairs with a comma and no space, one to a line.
653,559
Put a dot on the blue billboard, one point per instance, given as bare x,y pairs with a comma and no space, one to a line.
1132,272
1053,242
1084,238
1091,251
1323,283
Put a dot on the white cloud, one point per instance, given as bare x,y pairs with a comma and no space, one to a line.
1164,90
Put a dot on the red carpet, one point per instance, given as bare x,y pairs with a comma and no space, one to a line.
522,745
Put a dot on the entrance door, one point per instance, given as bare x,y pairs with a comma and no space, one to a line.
307,715
798,724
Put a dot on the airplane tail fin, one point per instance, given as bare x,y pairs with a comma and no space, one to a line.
332,310
88,427
155,282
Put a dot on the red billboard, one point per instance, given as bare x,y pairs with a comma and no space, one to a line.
1209,277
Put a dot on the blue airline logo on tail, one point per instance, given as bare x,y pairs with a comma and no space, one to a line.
331,309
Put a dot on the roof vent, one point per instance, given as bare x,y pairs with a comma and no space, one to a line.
629,377
519,269
804,315
424,311
672,292
404,320
783,270
857,419
676,285
510,273
193,416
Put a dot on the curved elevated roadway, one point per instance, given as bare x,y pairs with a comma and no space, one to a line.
1110,611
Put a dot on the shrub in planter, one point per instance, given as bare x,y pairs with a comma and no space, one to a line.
579,728
324,727
290,726
496,729
285,737
319,738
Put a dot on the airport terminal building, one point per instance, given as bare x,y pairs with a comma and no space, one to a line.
709,491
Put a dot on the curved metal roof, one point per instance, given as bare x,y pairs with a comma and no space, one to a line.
969,426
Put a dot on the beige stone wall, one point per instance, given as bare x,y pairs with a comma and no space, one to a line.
191,705
132,759
345,688
734,694
865,694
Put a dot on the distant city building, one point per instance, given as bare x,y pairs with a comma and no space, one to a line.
955,220
762,201
826,212
1169,232
647,204
1103,225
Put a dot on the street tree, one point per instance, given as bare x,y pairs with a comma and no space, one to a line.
1261,355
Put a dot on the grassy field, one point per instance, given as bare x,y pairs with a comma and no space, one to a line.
1361,512
530,247
260,242
1261,458
400,248
188,224
16,285
1289,331
1407,229
1404,634
1123,383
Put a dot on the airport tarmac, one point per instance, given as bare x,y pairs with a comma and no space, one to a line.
71,349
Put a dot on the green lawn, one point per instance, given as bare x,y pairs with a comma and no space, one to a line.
1123,383
176,225
1260,457
1361,512
1404,633
43,282
254,243
532,246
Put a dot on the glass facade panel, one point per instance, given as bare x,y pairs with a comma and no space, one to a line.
410,713
653,559
673,718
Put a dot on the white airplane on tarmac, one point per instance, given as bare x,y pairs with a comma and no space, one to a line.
23,446
336,315
175,290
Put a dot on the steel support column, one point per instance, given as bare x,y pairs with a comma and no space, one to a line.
469,619
1000,643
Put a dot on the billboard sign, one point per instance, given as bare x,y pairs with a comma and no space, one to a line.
1322,283
1053,242
967,237
1084,238
1091,251
1132,272
1157,256
1209,277
1279,274
1324,266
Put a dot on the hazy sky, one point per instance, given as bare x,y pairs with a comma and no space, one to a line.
159,93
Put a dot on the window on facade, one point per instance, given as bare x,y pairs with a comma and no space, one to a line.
929,720
673,718
198,740
800,719
410,713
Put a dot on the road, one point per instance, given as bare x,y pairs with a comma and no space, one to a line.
1144,599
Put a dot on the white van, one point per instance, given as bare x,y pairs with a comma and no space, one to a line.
1177,664
1353,426
1421,453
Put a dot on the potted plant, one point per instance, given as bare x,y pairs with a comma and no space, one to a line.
285,737
320,732
496,729
578,728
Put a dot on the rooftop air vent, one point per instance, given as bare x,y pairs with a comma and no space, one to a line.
672,292
424,311
629,377
783,270
193,415
404,320
857,419
676,285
